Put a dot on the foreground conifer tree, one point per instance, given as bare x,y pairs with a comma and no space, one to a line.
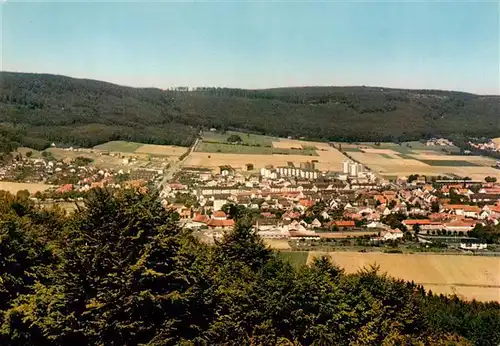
120,271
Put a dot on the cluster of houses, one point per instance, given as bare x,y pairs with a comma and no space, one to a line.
70,176
47,171
438,142
296,208
486,146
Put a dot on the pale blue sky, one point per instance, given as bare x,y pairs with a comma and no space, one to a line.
433,45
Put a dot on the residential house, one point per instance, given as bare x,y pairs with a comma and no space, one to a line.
473,244
391,234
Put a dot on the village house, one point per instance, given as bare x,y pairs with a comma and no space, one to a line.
391,234
219,220
473,244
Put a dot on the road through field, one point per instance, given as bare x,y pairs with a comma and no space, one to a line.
176,166
470,277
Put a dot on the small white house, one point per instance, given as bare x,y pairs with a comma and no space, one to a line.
473,244
392,234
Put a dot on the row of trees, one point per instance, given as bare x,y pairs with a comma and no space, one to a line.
122,272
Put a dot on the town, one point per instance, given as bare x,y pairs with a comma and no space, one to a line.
310,208
292,206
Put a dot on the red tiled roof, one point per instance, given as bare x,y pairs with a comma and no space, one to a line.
439,216
354,216
348,223
201,218
306,202
462,223
219,213
470,208
220,223
417,222
65,188
302,234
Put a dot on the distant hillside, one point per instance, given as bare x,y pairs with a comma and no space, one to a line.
36,109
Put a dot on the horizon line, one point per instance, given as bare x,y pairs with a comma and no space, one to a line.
251,89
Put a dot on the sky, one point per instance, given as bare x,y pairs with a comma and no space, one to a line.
453,45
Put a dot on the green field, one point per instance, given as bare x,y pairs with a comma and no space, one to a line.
296,258
351,150
120,146
309,147
449,163
247,138
408,147
406,156
209,147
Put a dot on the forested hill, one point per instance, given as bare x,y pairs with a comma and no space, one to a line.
36,109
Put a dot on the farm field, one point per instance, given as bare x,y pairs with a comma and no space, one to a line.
23,150
496,141
106,161
247,138
119,146
140,148
471,277
161,150
15,187
328,159
209,147
393,160
278,244
261,151
214,160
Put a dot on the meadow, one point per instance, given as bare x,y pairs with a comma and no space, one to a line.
119,146
470,277
247,138
161,150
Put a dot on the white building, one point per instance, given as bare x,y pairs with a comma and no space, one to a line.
392,234
345,166
468,244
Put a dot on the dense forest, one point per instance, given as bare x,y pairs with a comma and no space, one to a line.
37,109
122,272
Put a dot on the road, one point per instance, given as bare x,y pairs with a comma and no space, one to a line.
175,167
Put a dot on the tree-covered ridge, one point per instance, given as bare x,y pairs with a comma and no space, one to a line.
121,272
40,109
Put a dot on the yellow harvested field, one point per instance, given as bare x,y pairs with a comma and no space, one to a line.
15,187
496,141
328,158
287,144
474,159
237,161
470,277
166,150
379,160
388,163
477,173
